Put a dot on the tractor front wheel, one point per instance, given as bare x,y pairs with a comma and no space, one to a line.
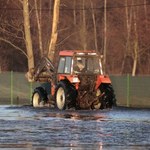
36,99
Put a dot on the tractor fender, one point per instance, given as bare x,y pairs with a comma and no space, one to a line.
70,78
102,79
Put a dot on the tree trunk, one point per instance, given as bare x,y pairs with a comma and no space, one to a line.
39,28
28,39
105,35
128,17
135,55
74,13
145,9
94,24
54,33
84,26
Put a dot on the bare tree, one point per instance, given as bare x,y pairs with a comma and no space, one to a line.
13,45
94,25
105,35
136,46
74,13
54,33
11,34
28,39
128,17
39,26
145,9
84,26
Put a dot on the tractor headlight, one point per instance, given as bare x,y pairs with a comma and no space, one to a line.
75,79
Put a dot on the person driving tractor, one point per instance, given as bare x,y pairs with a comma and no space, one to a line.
79,66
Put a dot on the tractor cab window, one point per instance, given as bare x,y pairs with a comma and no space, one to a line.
64,65
87,64
93,65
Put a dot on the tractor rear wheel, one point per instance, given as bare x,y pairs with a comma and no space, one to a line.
96,105
60,98
108,100
63,95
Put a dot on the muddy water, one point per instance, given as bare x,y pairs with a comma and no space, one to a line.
25,128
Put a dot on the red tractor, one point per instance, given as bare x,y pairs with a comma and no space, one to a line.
76,82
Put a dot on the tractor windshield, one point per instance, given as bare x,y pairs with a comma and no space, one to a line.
87,64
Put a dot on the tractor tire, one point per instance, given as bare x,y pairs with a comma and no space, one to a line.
96,105
36,99
108,100
64,96
39,97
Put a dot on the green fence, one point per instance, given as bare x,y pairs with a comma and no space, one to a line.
15,89
129,91
132,91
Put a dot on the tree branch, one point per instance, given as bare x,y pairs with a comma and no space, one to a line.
11,34
63,40
16,47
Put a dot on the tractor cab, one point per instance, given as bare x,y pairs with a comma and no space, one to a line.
76,63
87,65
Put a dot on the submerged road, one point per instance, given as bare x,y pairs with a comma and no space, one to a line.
24,127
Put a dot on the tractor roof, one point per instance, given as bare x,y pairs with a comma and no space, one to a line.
77,52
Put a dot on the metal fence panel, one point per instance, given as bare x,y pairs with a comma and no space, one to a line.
15,89
5,88
21,89
129,91
132,91
140,91
120,87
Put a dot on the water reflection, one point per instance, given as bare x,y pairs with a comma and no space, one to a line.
69,147
99,146
77,116
45,129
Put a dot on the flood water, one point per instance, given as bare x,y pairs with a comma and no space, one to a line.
24,127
